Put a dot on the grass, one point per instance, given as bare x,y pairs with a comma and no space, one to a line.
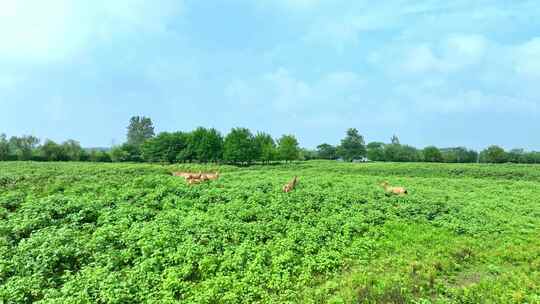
127,233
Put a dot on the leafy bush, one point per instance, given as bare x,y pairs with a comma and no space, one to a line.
133,233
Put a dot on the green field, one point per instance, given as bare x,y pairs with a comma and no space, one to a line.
132,233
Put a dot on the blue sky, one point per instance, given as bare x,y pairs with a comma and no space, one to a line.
446,73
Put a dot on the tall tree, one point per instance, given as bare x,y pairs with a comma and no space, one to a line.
307,154
126,153
532,157
165,147
391,152
516,156
188,154
432,154
408,154
5,149
459,155
265,147
288,148
239,146
51,151
352,146
73,150
140,129
24,146
207,144
493,154
99,156
326,151
375,151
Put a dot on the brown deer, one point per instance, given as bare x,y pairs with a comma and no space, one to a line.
182,174
187,175
193,181
195,178
393,190
211,176
288,187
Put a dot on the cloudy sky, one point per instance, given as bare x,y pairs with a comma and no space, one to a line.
433,72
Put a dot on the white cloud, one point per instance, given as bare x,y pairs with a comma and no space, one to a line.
287,93
527,58
56,109
9,81
473,46
35,31
461,73
291,4
464,49
421,59
453,53
443,97
343,80
326,100
301,4
337,35
241,93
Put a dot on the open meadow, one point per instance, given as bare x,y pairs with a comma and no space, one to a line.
131,233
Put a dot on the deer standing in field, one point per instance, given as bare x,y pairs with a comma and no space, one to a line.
193,181
195,178
393,190
182,174
211,176
290,185
187,175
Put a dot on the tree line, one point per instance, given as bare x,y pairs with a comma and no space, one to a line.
242,147
239,146
394,151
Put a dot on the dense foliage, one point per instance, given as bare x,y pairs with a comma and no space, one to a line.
139,130
131,233
352,146
241,147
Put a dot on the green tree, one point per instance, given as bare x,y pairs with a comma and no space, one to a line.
432,154
391,152
164,147
288,148
401,153
265,147
531,157
24,146
239,146
73,150
352,146
206,144
470,156
139,130
96,155
187,154
493,154
52,151
409,154
126,153
450,155
5,149
327,151
375,151
459,155
516,156
307,154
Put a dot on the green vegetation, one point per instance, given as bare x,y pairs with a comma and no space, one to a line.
241,147
131,233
